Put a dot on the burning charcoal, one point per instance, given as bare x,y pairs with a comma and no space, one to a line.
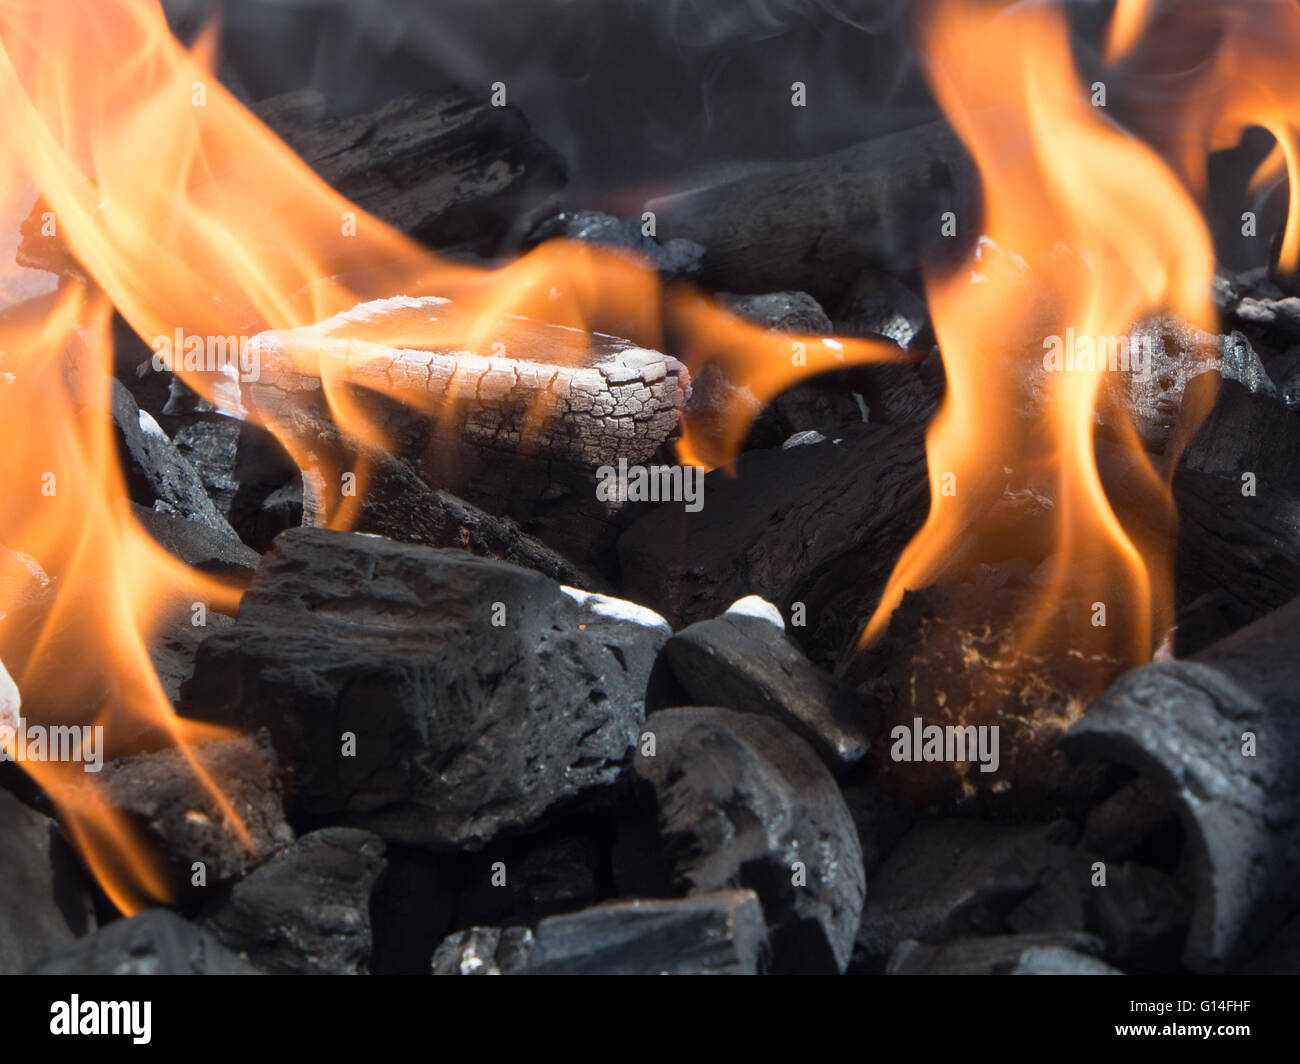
603,404
676,258
1142,916
955,725
178,817
484,951
1217,735
950,878
157,476
44,900
211,446
817,525
1055,960
447,169
995,955
717,933
880,305
154,942
541,878
745,803
746,663
307,910
813,226
1134,820
430,696
199,545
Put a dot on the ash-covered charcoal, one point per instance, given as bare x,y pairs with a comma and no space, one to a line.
673,258
45,901
992,955
157,476
448,169
430,696
813,529
154,942
307,910
199,545
966,715
197,845
1218,735
528,430
813,226
745,803
716,933
747,663
953,878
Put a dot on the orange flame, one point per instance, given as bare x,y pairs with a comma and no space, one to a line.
1090,232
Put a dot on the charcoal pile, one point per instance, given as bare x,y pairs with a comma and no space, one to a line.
484,716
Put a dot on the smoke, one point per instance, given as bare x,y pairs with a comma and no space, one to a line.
637,94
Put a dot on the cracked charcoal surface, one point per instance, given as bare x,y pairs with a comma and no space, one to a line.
741,802
463,728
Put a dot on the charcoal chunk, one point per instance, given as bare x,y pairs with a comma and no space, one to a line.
211,446
951,878
154,942
182,822
718,933
993,955
157,476
307,910
749,665
675,258
745,803
427,695
198,545
45,902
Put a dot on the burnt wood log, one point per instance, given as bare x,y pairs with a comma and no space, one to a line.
1218,734
814,225
522,431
